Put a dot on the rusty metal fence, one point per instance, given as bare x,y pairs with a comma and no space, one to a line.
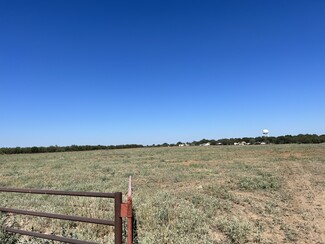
121,210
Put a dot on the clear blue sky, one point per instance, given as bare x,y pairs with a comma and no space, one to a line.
117,72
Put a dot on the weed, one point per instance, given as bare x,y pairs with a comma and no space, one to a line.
263,181
163,215
6,237
291,235
236,229
271,207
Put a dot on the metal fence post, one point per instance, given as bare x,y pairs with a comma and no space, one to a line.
118,219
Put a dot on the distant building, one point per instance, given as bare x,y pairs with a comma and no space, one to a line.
205,144
243,143
183,145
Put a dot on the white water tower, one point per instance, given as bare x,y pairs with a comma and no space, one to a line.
265,133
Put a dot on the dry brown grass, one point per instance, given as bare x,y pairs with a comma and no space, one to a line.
226,194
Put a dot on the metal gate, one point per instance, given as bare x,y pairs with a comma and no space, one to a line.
121,210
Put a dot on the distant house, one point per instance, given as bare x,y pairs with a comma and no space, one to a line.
183,145
205,144
243,143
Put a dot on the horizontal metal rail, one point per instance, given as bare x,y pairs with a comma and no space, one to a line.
58,216
62,193
48,237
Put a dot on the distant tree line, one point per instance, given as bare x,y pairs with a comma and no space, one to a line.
298,139
20,150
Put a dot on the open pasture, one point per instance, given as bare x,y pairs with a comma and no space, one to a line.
216,194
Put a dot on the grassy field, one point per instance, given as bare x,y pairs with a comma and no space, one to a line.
225,194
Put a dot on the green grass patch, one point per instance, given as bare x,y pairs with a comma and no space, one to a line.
262,181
